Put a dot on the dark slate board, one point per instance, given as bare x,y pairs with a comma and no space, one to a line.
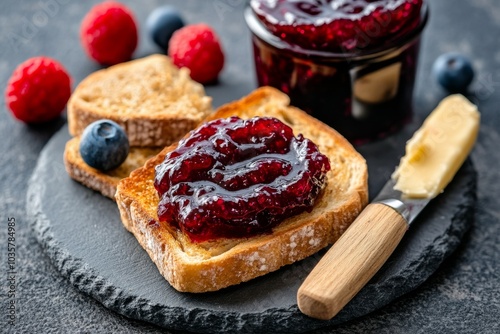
82,233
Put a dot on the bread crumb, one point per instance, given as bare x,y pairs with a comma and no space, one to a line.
314,242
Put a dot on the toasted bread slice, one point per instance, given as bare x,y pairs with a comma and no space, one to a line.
212,265
104,182
154,101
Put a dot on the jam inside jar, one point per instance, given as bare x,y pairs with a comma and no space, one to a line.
349,63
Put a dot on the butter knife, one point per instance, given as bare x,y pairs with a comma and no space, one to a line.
433,156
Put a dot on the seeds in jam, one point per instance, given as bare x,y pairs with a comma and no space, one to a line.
338,25
235,178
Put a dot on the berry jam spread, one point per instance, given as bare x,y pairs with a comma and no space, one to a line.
338,25
236,178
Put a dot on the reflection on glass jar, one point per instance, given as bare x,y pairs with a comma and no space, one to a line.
365,94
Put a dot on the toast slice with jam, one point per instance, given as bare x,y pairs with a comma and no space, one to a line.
210,265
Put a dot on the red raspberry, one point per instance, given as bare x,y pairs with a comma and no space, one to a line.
38,90
109,33
197,47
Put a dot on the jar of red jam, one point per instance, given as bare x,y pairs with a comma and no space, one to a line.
349,63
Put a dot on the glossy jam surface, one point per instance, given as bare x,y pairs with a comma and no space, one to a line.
236,178
338,25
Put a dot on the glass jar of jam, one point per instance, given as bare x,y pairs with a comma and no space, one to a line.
349,63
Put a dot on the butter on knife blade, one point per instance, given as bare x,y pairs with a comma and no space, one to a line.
438,149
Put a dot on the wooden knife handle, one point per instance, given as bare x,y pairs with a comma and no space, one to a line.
351,261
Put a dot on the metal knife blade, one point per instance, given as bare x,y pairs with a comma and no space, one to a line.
409,208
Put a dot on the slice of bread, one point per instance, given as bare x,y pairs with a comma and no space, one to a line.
103,182
212,265
154,101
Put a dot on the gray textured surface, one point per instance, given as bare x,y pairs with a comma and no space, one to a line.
461,297
81,232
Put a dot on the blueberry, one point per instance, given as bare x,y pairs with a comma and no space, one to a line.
104,145
453,71
162,23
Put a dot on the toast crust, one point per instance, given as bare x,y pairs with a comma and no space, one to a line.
155,102
213,265
103,182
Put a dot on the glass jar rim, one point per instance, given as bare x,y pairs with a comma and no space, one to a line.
258,29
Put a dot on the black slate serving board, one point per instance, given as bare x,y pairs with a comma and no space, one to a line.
82,233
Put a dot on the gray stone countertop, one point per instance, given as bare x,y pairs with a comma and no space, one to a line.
463,296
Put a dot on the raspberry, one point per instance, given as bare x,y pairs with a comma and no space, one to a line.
197,47
38,90
109,33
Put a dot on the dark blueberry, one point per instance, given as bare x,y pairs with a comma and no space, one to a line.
104,145
162,23
453,71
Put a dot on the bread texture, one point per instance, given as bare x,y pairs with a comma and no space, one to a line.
154,101
213,265
103,182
